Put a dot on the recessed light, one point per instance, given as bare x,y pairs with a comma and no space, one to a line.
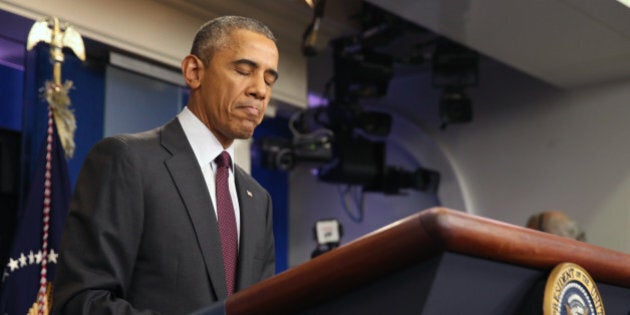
625,2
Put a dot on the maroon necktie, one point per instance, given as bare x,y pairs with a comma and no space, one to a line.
227,221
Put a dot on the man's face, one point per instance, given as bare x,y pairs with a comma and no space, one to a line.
236,85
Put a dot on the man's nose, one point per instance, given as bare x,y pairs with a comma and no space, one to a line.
258,88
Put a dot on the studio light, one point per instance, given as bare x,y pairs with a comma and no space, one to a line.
454,68
455,106
309,38
453,65
360,71
342,137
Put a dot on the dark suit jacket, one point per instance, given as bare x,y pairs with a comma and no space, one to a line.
142,235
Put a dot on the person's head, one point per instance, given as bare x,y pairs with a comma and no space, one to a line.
556,222
230,70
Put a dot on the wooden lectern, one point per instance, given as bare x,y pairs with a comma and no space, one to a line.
438,261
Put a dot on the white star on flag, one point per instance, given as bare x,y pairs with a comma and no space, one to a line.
13,264
52,256
38,257
22,260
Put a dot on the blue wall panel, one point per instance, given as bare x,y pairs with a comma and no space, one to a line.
277,183
11,87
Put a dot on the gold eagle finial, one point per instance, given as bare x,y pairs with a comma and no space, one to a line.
51,31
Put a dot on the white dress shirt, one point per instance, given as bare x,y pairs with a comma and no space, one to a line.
206,148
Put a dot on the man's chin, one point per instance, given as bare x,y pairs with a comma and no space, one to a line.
247,130
244,134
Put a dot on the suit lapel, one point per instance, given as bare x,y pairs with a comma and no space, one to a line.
249,222
192,188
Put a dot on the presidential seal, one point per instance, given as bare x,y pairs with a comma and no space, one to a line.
570,290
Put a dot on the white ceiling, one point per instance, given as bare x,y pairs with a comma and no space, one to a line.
566,43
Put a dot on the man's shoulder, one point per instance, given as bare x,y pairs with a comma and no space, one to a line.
126,142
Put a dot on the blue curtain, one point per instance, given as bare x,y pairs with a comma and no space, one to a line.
277,183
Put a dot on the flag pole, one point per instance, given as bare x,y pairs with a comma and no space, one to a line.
50,30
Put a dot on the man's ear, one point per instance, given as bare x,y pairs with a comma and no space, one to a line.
192,69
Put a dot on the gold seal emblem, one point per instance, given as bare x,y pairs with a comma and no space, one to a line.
570,290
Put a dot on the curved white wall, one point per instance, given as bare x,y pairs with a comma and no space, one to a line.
533,148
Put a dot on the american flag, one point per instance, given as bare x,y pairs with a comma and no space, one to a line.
28,275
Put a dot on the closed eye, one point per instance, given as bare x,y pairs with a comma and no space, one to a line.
243,70
271,77
246,67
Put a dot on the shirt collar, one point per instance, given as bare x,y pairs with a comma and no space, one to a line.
203,142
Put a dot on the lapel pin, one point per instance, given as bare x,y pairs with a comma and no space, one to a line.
249,193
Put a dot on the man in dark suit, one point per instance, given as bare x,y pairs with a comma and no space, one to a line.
142,235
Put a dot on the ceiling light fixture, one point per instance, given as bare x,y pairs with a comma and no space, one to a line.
625,2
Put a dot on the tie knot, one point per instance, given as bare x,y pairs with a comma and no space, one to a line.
223,160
